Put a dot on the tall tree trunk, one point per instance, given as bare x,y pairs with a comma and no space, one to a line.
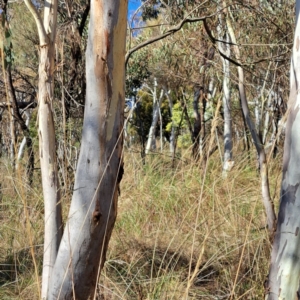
267,201
94,203
228,162
283,280
47,143
225,48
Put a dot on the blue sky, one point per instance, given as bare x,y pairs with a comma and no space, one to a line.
133,5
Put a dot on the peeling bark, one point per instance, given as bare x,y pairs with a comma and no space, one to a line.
93,208
47,143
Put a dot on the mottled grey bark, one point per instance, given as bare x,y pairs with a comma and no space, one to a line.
284,277
93,208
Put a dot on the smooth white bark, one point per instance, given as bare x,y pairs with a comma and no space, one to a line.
23,143
284,276
151,142
47,143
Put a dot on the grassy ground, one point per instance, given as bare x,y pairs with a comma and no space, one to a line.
183,232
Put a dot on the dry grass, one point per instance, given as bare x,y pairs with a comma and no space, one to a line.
172,239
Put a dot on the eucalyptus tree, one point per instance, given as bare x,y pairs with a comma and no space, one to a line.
267,201
47,144
93,210
72,262
151,142
227,135
284,275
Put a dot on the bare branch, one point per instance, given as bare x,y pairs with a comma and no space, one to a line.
167,33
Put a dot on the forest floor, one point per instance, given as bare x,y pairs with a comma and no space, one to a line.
183,231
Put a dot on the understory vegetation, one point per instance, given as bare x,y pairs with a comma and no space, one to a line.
195,102
179,225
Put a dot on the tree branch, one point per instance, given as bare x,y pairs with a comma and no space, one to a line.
39,23
84,17
167,33
214,41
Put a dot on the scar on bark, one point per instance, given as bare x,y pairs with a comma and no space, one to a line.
96,213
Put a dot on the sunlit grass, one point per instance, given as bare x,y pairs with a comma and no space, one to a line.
158,243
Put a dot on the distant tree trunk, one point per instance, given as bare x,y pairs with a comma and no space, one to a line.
267,201
141,130
258,116
228,162
225,48
202,137
13,138
99,171
47,143
266,119
185,114
23,143
161,130
173,131
200,91
197,123
283,280
155,115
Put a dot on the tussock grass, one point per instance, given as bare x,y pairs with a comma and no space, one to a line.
159,243
173,239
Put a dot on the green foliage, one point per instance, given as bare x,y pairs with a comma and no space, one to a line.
184,141
142,117
6,42
25,40
32,125
137,72
150,9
